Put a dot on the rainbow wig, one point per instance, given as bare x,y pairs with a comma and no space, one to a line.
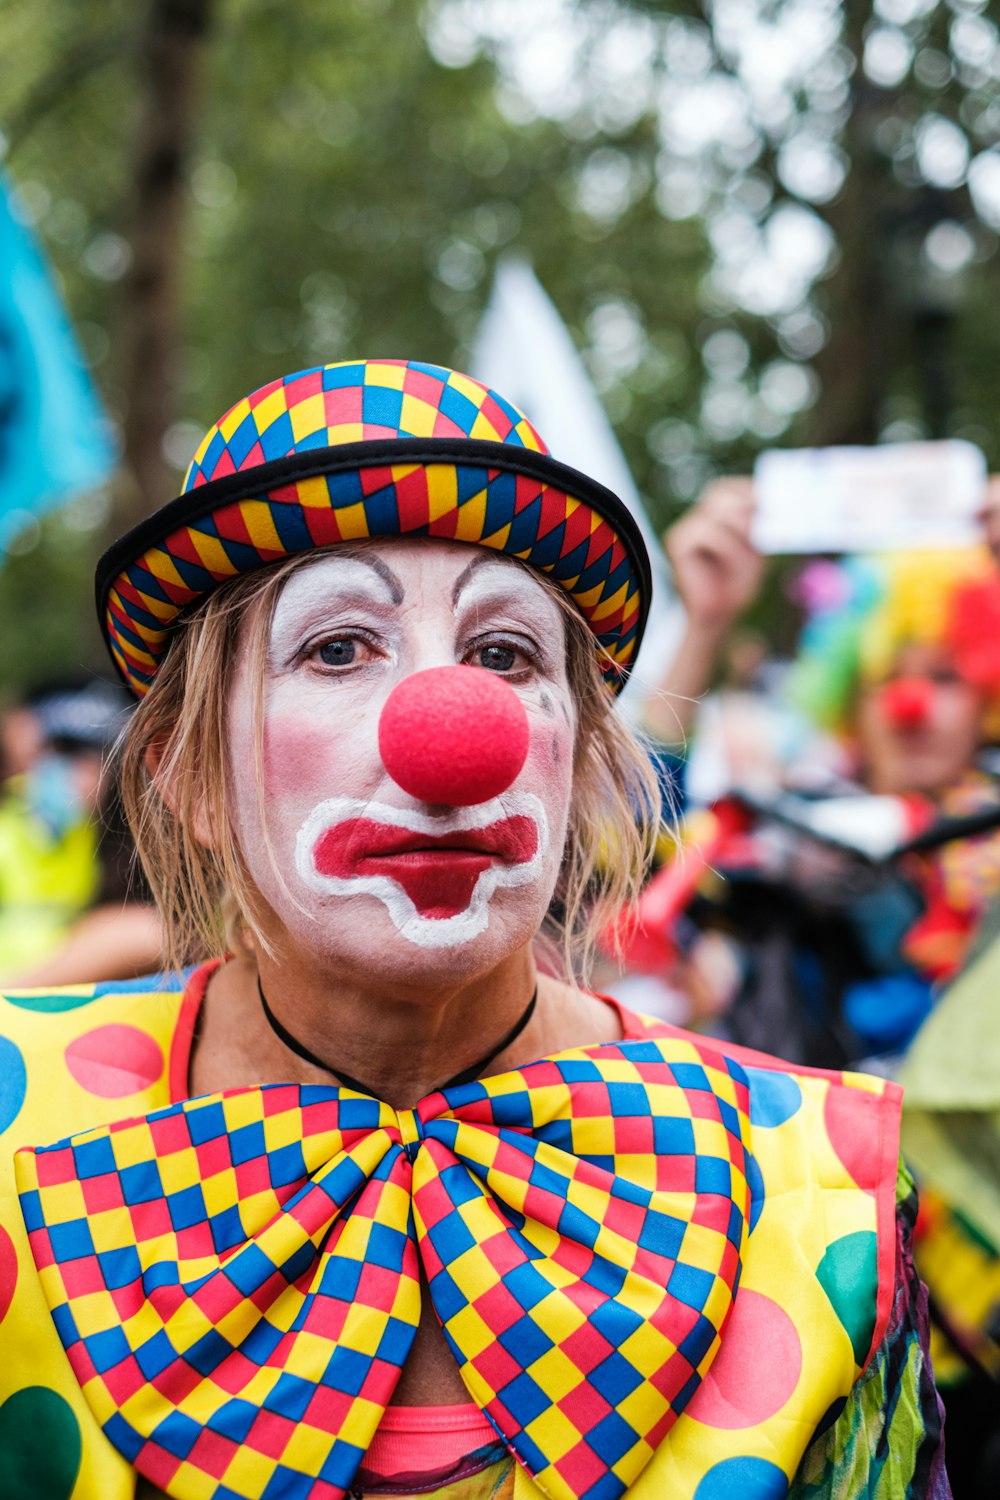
861,613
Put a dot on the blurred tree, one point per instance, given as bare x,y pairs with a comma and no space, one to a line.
842,155
347,191
169,51
763,220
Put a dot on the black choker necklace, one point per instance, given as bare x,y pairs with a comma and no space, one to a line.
467,1075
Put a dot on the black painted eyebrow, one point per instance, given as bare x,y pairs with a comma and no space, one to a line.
392,581
478,562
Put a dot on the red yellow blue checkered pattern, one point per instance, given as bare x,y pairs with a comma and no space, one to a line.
362,449
236,1278
352,402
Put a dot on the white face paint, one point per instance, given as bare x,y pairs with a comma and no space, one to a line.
352,867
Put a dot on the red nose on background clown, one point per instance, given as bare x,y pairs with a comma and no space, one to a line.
453,735
907,701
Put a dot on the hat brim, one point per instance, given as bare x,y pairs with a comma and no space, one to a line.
518,501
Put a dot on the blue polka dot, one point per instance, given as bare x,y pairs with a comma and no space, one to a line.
755,1181
774,1097
13,1082
749,1478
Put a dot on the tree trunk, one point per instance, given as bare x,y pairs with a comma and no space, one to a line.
856,364
170,48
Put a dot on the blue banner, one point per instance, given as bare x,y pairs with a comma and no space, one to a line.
54,437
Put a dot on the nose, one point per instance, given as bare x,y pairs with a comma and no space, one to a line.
906,702
454,735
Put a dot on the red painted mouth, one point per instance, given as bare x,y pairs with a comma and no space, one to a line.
437,871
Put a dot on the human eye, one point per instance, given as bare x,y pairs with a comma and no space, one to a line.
509,655
339,652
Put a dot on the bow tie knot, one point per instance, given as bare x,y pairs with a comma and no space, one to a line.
411,1132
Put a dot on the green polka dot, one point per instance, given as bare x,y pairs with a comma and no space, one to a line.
50,1005
848,1274
39,1445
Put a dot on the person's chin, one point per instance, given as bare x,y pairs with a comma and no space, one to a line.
359,932
927,774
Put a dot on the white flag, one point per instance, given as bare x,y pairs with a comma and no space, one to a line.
524,349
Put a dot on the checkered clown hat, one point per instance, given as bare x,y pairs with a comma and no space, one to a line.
372,448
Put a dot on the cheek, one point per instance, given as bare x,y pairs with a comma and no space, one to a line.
307,757
553,733
874,724
962,718
549,769
552,745
291,748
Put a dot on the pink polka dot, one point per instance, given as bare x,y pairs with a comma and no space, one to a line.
755,1371
113,1061
851,1124
8,1272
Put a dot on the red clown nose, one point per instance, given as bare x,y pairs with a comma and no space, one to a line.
906,702
457,735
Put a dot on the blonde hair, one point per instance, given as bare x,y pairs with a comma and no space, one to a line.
202,885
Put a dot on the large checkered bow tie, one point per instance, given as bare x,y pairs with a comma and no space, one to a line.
236,1279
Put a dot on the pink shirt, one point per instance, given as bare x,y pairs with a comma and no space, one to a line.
415,1440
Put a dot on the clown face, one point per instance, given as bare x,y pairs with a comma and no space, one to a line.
920,729
352,867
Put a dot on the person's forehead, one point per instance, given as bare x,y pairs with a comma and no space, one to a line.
387,567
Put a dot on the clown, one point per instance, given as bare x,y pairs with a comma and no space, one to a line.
904,665
374,1201
900,657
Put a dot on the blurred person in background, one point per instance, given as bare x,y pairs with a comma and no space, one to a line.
21,739
900,664
905,668
67,907
900,667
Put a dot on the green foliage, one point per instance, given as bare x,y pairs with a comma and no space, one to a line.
352,187
349,195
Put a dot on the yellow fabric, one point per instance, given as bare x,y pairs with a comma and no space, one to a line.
54,1045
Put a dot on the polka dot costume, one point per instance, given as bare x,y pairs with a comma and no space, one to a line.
87,1054
814,1279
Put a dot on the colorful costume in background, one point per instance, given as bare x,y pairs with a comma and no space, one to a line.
830,964
662,1268
958,882
863,614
